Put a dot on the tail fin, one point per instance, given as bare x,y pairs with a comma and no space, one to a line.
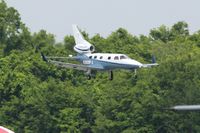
82,46
77,35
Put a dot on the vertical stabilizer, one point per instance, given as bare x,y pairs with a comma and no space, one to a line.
77,35
82,46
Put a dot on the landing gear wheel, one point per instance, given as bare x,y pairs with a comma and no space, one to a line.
88,74
89,77
111,75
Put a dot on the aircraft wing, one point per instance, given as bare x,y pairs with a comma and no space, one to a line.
54,57
74,66
69,65
63,58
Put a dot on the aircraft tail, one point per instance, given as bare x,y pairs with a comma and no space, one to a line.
82,46
77,35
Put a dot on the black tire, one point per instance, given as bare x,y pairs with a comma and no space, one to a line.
89,77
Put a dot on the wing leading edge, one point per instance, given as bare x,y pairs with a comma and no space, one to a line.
69,65
74,66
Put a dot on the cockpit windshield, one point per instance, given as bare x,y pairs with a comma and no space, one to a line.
123,57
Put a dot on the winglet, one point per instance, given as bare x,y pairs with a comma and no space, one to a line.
152,64
153,59
43,57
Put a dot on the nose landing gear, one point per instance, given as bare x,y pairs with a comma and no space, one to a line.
90,74
89,77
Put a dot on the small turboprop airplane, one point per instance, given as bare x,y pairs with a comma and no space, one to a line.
96,61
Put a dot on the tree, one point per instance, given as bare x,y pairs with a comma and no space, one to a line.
162,33
180,29
36,96
13,33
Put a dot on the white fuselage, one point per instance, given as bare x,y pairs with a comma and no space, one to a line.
112,61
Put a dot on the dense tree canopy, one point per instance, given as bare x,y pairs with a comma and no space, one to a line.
38,97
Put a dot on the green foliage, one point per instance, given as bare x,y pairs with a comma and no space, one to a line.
13,33
165,34
38,97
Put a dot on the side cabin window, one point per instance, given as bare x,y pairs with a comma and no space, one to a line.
116,58
101,57
95,57
122,57
90,57
109,58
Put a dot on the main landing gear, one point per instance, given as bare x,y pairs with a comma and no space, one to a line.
135,73
110,75
90,75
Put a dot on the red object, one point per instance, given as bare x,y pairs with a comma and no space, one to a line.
5,130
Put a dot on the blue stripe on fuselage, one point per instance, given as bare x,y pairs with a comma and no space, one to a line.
105,65
111,65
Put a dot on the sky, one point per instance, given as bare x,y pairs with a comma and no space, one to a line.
105,16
